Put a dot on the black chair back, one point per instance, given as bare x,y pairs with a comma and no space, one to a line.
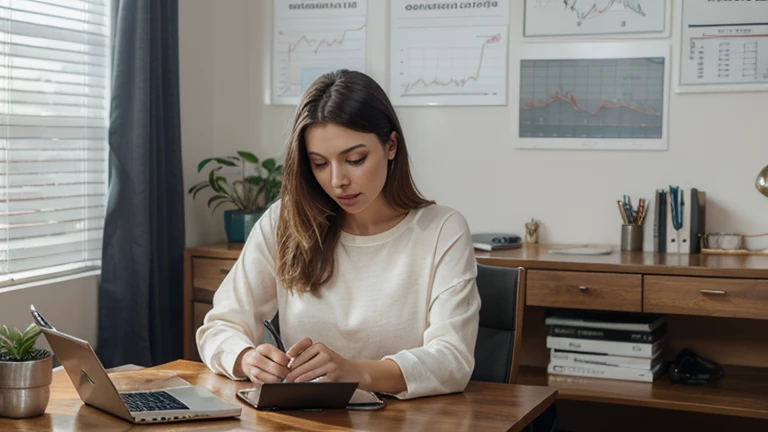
494,351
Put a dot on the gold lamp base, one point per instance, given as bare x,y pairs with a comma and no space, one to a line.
762,181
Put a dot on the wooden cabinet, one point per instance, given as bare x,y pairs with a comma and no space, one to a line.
583,290
204,269
716,305
726,297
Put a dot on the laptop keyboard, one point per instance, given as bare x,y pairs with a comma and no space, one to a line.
152,401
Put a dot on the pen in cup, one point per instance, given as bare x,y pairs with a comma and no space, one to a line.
622,212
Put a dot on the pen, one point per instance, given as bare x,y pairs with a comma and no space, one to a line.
640,212
275,335
622,212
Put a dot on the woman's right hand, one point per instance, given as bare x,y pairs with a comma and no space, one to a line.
263,364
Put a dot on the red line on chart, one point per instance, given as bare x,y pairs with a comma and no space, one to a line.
572,100
304,38
457,82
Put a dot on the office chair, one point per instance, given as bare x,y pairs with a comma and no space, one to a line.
501,293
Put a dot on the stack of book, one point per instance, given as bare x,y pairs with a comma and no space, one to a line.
622,346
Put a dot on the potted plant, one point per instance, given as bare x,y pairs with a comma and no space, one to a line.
25,373
256,188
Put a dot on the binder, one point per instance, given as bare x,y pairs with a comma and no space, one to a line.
687,239
660,222
672,234
698,220
684,234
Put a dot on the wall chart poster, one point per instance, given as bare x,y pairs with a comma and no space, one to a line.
448,53
310,38
594,96
595,17
723,46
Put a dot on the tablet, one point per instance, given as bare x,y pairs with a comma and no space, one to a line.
310,396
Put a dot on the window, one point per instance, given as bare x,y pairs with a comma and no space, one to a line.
54,113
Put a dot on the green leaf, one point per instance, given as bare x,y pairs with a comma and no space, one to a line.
269,165
6,342
215,198
212,180
255,180
202,187
226,162
196,186
203,163
222,180
15,334
25,350
4,331
248,156
32,332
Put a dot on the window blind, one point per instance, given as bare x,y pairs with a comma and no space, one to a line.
54,113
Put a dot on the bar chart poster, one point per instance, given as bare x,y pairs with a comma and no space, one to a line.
594,101
594,17
452,53
724,46
310,38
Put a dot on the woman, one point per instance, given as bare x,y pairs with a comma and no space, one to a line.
374,283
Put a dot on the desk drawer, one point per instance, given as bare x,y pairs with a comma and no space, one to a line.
584,290
736,298
208,273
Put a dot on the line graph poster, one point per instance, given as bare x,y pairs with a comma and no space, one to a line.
452,53
594,17
600,96
724,46
312,37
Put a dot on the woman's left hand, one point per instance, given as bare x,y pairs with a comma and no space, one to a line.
319,360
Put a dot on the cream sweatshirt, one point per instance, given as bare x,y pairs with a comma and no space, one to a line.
407,294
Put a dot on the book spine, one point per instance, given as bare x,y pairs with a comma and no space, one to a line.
645,350
604,372
606,334
575,358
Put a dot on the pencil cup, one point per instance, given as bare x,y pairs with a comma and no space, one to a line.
632,238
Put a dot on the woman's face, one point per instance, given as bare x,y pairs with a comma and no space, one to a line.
350,166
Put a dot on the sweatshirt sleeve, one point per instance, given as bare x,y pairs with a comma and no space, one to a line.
445,361
246,297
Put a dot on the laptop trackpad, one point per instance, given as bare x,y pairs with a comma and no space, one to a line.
198,398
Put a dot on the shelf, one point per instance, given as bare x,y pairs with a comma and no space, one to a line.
742,392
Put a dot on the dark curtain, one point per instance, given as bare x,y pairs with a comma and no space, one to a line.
140,293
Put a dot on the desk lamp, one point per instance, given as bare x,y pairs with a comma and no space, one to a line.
762,181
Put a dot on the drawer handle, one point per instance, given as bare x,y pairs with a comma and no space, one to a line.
224,271
714,292
583,288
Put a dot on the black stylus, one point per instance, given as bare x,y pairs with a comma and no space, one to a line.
275,335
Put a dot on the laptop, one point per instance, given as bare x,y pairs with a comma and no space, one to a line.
97,390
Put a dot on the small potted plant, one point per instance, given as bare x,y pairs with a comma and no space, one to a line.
256,188
25,373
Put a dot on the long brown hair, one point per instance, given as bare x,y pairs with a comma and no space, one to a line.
310,221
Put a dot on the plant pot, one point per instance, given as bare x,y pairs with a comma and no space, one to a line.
25,387
238,224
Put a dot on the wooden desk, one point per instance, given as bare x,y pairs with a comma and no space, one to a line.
482,406
715,304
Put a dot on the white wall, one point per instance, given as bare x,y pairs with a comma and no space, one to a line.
465,157
69,304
